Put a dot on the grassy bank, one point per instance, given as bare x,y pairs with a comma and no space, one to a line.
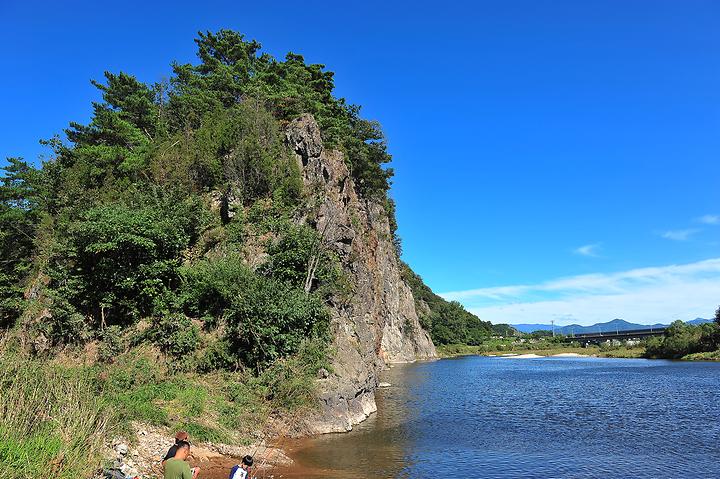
57,416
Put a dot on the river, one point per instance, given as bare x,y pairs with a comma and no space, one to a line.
485,417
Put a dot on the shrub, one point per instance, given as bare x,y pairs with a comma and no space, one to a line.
681,339
289,383
111,345
217,355
265,319
118,259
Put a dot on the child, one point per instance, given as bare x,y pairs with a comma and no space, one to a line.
242,471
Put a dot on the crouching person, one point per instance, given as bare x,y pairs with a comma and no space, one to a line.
242,471
177,467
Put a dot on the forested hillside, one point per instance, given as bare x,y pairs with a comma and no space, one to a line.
176,226
147,211
447,322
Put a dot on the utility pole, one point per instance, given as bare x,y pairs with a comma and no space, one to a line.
552,321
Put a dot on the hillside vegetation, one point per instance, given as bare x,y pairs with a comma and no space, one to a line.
164,259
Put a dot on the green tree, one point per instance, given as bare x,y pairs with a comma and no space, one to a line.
119,261
19,217
264,319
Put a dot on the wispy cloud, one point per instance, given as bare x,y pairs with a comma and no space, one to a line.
587,250
679,235
644,295
710,219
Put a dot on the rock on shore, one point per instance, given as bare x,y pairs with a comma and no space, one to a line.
379,324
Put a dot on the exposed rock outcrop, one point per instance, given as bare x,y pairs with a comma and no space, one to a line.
379,323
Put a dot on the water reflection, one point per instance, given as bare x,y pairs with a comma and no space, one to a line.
380,446
497,418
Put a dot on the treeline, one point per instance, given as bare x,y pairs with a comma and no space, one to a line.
682,339
140,226
448,322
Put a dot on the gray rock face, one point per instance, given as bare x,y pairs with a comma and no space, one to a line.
378,324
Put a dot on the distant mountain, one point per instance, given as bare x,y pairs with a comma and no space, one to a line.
698,321
610,326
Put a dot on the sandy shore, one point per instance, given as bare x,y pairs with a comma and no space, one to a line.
521,356
535,356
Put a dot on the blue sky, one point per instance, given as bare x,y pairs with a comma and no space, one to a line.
535,142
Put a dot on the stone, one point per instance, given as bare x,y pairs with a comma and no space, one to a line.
379,325
323,373
121,449
129,471
303,135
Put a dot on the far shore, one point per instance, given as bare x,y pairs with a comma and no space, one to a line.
528,353
457,350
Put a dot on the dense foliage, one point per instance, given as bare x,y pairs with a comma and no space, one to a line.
174,226
505,330
446,321
148,214
682,339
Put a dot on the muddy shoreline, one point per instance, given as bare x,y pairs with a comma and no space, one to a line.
219,467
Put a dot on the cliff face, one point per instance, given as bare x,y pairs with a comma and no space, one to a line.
378,324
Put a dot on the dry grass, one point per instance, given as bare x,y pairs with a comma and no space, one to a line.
53,422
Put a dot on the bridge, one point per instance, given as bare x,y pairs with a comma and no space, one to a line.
601,337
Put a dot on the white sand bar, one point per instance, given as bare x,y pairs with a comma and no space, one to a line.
523,356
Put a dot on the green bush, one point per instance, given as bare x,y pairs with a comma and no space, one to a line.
681,339
264,319
216,355
112,344
289,383
118,259
296,250
175,335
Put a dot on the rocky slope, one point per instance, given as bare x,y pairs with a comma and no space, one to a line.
378,324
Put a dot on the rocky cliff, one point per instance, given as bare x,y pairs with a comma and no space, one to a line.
378,324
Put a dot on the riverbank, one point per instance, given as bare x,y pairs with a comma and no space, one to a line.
128,412
455,350
141,456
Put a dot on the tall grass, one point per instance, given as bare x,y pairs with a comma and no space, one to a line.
53,422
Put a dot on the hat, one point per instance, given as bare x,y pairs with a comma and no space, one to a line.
181,436
248,460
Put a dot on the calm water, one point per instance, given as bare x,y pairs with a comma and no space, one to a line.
480,417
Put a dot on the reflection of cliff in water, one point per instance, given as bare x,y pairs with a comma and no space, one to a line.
379,447
548,417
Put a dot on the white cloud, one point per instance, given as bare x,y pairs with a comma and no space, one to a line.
587,250
643,295
710,219
679,235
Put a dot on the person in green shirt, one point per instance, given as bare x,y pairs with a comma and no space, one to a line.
177,467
